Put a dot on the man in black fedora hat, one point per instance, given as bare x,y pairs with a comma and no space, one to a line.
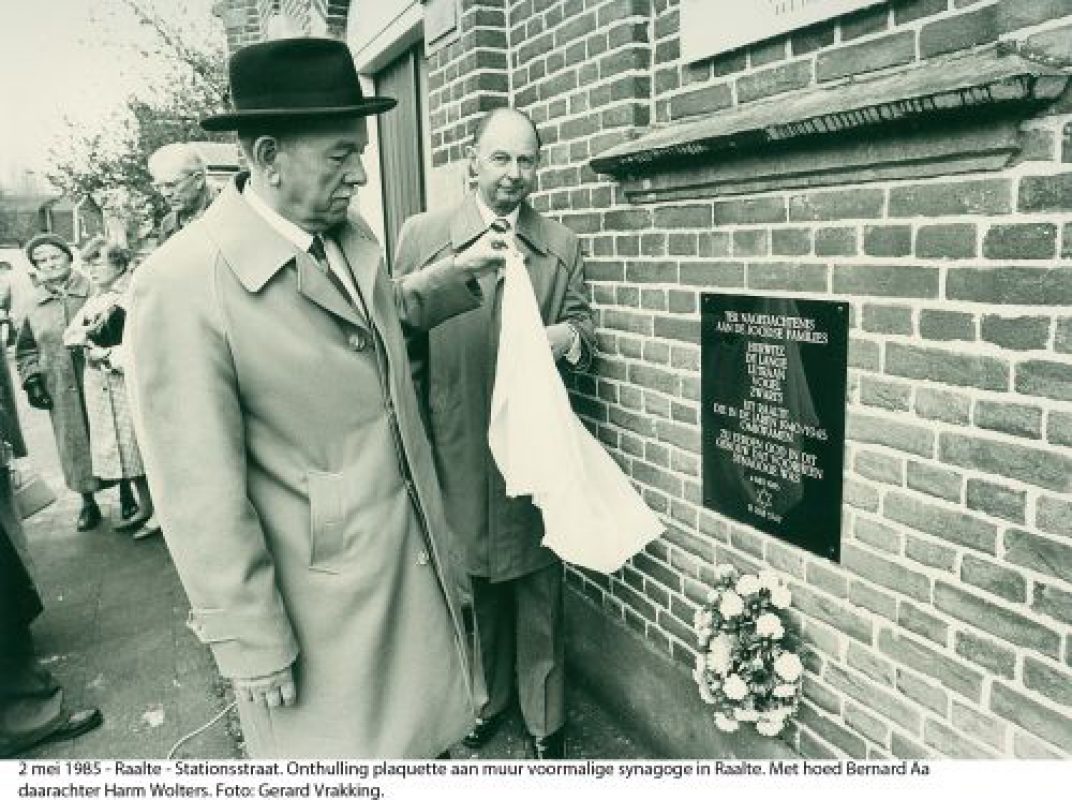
282,436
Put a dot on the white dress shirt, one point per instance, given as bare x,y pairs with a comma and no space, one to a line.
302,240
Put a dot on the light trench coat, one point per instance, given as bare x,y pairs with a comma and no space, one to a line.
294,483
499,537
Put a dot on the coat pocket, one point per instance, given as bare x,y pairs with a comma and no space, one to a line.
327,541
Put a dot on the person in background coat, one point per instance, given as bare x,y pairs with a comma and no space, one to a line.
32,711
5,303
51,374
178,174
97,330
517,583
281,434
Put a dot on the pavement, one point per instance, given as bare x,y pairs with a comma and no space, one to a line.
113,633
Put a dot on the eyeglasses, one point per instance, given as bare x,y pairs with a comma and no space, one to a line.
167,186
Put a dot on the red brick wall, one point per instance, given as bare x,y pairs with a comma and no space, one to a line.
467,77
242,21
945,631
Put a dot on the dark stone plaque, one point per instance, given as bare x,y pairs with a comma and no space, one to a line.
773,418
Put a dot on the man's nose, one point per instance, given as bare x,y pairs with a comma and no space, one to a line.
356,174
513,169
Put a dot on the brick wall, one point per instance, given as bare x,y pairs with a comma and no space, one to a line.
246,20
241,20
947,628
467,77
945,631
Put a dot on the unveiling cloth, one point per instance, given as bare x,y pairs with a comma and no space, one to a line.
593,517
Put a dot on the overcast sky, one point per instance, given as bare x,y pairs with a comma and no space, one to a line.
73,58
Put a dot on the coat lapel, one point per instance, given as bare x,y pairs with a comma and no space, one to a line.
315,287
466,226
255,252
363,255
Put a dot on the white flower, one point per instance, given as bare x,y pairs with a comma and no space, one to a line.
718,657
748,584
769,727
745,714
725,572
702,618
725,723
769,625
769,579
731,605
780,713
780,597
735,688
788,667
784,690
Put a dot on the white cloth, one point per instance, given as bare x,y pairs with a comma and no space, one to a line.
592,515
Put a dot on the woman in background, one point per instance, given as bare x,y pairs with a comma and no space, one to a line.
51,374
97,330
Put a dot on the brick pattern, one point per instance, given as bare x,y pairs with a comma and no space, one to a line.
946,631
242,21
467,77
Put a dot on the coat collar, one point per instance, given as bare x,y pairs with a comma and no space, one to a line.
77,285
255,252
467,224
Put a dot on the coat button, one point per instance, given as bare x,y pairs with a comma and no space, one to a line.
422,559
358,341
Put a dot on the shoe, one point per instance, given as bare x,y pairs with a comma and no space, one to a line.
89,518
76,723
553,746
133,523
483,730
152,528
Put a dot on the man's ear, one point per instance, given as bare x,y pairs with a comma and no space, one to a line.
265,151
470,153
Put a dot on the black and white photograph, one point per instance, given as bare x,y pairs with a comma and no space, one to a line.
314,314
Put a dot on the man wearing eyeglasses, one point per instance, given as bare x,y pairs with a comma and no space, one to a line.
179,176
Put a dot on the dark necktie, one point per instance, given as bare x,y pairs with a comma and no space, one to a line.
320,255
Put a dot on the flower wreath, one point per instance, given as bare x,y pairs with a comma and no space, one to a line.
747,666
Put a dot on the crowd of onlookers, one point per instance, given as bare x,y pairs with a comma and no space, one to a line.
70,360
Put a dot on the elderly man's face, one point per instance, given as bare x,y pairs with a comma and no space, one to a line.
181,186
319,171
504,162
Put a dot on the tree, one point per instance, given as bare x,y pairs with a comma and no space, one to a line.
108,162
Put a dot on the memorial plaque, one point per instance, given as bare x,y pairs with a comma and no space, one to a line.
773,374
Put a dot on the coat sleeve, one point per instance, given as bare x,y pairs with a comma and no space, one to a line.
188,418
27,354
576,309
428,295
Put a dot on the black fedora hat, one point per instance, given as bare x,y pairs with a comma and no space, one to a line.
294,79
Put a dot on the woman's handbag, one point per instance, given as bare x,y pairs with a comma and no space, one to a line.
108,332
32,494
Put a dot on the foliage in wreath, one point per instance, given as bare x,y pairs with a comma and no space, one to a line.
747,666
